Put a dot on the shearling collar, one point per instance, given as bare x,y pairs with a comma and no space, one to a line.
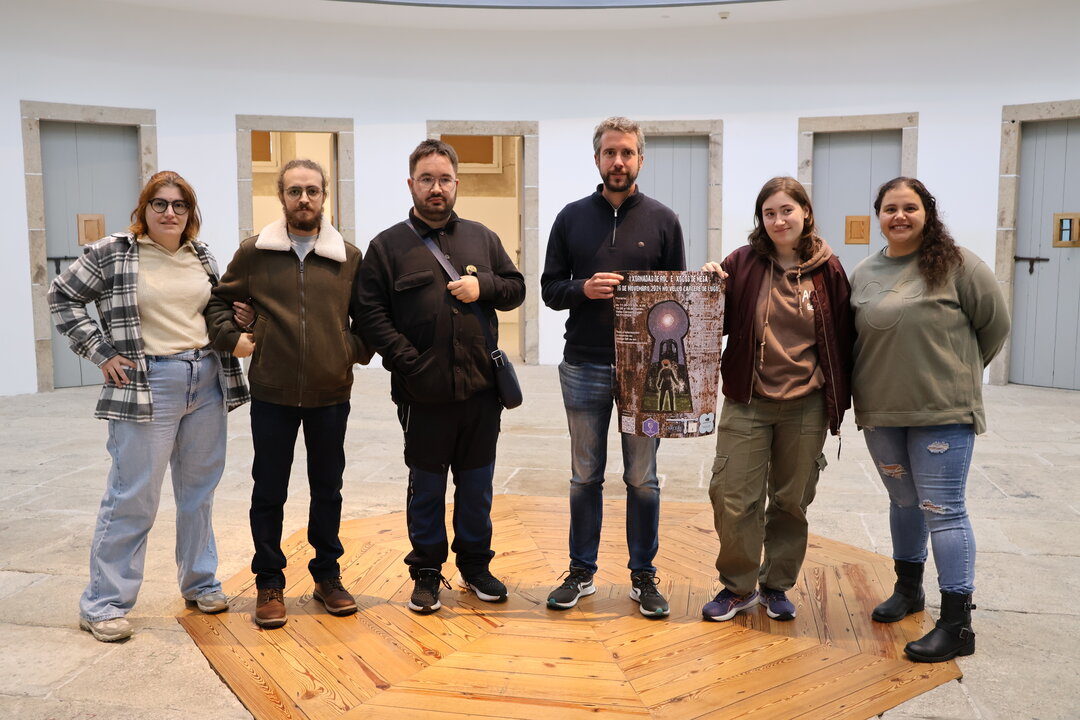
330,244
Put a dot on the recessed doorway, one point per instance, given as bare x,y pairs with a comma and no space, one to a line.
498,165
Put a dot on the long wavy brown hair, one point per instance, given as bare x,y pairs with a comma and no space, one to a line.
938,253
157,181
759,238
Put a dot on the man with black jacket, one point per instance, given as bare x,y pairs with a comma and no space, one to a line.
615,229
296,277
431,338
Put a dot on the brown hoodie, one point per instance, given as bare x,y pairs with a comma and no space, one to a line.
786,360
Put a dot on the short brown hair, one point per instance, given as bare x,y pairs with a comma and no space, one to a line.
301,163
432,147
618,124
158,180
759,237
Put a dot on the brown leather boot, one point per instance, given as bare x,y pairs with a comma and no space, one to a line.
335,597
270,608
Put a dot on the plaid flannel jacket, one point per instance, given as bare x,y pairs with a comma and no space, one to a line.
107,275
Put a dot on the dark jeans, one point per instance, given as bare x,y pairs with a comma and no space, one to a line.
273,433
439,437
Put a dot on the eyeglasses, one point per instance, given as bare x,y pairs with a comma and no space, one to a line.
426,182
160,205
312,192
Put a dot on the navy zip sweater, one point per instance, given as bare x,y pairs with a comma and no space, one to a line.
591,236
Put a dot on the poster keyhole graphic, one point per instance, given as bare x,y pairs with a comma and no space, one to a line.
667,383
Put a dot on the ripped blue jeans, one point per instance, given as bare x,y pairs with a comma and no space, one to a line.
925,470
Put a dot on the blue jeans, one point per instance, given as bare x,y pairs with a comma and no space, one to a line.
925,471
187,434
588,394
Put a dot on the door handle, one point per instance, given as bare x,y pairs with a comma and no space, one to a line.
1030,261
60,259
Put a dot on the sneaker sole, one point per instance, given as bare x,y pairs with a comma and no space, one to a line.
424,610
584,592
783,617
482,595
738,609
208,609
336,612
102,637
635,595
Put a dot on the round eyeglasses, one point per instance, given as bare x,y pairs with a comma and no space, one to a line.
426,182
294,192
160,205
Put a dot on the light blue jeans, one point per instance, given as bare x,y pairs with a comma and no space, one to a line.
188,434
925,472
588,394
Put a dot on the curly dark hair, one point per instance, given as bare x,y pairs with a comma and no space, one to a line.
938,253
759,238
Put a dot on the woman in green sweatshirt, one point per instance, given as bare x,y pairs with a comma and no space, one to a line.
929,317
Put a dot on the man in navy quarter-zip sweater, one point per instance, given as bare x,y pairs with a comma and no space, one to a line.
293,283
615,229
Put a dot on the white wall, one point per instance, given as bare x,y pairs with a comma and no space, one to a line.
955,65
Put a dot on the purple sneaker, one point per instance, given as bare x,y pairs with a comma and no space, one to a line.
726,604
777,606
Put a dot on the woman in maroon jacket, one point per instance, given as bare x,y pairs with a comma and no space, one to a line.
786,379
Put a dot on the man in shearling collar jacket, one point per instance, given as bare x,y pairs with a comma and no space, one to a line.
297,276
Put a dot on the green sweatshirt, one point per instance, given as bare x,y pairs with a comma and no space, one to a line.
920,354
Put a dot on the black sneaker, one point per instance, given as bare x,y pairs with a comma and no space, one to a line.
652,603
486,586
425,594
578,584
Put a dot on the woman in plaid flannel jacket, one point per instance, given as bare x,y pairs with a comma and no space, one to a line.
163,409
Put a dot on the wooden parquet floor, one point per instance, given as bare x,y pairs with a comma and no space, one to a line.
601,659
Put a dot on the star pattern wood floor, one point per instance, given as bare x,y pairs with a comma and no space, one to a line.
601,659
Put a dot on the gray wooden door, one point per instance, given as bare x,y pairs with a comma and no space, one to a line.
676,172
1046,322
849,167
86,169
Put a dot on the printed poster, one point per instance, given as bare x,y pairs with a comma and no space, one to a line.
668,331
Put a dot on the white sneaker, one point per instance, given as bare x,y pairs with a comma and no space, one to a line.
212,602
109,630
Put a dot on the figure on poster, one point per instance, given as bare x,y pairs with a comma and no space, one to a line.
786,377
919,360
668,380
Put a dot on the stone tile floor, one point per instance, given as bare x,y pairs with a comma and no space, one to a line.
1023,495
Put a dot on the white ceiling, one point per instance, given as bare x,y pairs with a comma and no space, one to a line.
383,15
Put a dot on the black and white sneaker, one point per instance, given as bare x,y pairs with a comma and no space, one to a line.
485,586
578,584
425,594
643,589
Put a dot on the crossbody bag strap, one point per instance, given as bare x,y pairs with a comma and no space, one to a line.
492,346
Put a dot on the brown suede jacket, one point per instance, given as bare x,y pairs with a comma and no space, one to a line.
305,345
833,324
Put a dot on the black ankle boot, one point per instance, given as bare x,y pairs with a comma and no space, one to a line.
951,637
907,597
